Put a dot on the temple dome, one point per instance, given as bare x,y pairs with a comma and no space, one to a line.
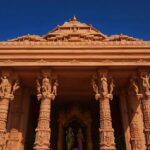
75,31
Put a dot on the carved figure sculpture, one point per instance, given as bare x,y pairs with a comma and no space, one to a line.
55,88
69,139
38,87
104,84
112,85
95,87
14,140
5,85
80,139
146,83
135,86
46,86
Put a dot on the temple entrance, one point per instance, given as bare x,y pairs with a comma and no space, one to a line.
75,130
78,136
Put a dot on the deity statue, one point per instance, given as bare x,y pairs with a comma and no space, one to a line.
38,87
135,86
104,84
46,85
5,85
69,139
15,86
146,82
80,139
112,85
95,87
55,88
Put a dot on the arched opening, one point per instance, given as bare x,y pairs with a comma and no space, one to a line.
76,126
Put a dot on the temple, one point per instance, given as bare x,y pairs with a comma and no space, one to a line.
75,88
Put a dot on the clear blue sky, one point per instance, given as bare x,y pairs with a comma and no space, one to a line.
20,17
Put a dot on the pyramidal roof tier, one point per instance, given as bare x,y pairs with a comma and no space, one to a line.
74,31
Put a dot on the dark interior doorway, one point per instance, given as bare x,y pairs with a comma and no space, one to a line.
117,123
75,126
32,122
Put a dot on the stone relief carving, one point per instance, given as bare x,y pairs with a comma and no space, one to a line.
104,88
146,82
6,88
46,88
14,140
134,86
55,85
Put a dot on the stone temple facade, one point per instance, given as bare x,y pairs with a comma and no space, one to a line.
75,88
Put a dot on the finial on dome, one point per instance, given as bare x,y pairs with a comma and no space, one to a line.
74,18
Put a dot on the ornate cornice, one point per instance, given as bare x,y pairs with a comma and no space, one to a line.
92,44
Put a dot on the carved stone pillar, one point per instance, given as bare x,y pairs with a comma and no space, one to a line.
145,103
7,90
46,94
135,116
104,94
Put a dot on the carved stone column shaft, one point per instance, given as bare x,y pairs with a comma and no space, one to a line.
4,104
134,112
6,95
106,130
146,119
43,132
145,104
103,93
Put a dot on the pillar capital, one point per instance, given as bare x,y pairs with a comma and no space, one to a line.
144,78
103,85
133,87
9,83
102,72
46,85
